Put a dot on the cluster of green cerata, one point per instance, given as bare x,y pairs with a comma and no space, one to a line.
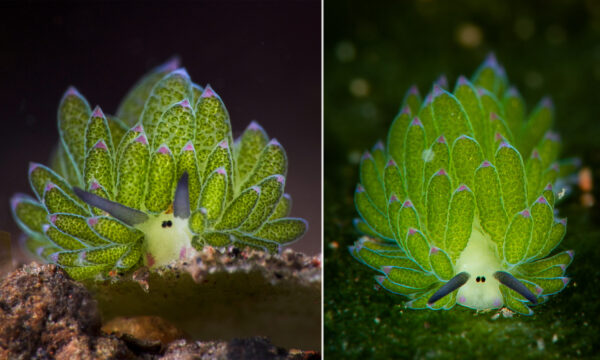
458,205
160,178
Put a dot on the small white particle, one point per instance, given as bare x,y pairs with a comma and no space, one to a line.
427,155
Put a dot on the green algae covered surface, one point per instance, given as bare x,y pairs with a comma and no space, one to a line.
372,56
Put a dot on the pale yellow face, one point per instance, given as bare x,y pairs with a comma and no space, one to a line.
167,238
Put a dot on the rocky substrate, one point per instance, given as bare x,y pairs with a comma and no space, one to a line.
44,314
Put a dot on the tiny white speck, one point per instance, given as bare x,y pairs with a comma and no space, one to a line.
427,155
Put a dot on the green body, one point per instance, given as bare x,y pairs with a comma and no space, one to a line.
165,127
465,184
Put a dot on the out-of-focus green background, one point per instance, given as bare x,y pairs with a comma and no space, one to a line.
373,52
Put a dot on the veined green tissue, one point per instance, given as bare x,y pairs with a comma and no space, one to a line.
154,182
458,205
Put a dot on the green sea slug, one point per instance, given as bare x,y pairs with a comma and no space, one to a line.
458,205
154,182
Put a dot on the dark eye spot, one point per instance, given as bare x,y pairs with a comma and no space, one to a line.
166,224
483,279
477,279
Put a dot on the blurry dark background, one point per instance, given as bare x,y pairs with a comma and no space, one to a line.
373,52
262,58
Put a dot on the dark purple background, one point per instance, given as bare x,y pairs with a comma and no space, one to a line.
263,58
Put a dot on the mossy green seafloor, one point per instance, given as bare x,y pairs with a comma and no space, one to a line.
362,322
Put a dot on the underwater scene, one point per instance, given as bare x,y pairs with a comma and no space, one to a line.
459,138
162,182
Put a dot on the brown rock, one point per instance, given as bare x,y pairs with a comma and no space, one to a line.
145,329
45,314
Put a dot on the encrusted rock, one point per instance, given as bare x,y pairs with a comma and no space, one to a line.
45,314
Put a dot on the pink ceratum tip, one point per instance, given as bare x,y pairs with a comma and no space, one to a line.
53,257
491,60
563,221
481,91
412,231
461,299
95,185
45,228
53,218
189,146
416,122
442,81
224,144
185,103
366,155
380,279
504,144
535,154
138,128
405,110
414,90
254,126
498,137
150,259
393,198
92,221
97,112
280,179
274,142
539,290
221,171
72,91
548,187
83,255
541,200
547,102
163,149
100,145
49,186
525,213
441,172
208,92
428,99
15,201
566,280
552,136
378,145
462,80
391,163
437,90
33,166
407,203
434,250
142,139
571,253
182,253
386,269
360,188
462,188
493,116
171,64
256,189
563,267
512,92
441,139
485,164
